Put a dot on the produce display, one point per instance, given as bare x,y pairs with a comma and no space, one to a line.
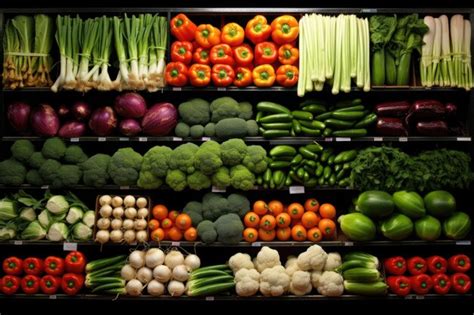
434,274
361,274
103,275
172,225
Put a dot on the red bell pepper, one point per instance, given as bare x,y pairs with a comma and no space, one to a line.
50,284
222,54
30,284
416,265
54,266
10,284
395,265
71,283
202,56
208,35
182,52
461,283
288,54
265,53
33,266
75,262
222,75
459,263
441,283
13,266
182,28
421,284
287,75
176,74
243,55
257,30
400,285
437,264
243,77
199,75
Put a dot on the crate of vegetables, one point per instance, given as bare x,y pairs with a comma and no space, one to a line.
122,218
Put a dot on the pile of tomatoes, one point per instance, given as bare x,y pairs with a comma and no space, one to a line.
170,225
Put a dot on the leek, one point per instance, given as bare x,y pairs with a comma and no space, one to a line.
446,62
436,52
457,31
426,52
467,56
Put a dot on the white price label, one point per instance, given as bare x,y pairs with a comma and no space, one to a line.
409,297
53,297
206,138
343,139
296,190
221,89
142,139
45,187
328,139
18,242
420,297
369,10
177,89
378,139
74,139
124,187
209,298
348,243
463,243
215,189
124,139
175,243
256,244
177,139
403,139
464,139
102,139
69,246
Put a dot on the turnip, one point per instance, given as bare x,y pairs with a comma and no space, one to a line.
137,259
176,288
118,212
117,201
129,201
116,224
105,211
134,287
192,262
141,202
102,236
154,257
140,224
130,213
180,273
174,258
145,275
128,224
155,288
105,200
162,273
142,213
128,273
141,236
116,236
129,236
103,223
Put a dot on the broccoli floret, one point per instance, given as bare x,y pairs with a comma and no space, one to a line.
195,111
33,177
12,173
54,148
196,131
214,205
75,155
95,170
207,158
22,150
233,151
148,181
176,179
49,171
181,130
252,128
198,180
255,159
231,128
182,158
210,130
224,107
36,160
229,229
221,178
207,231
67,176
246,112
157,158
241,178
124,167
194,210
238,204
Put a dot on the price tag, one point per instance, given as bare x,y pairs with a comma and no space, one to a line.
296,190
124,139
177,139
69,246
256,244
142,139
102,139
419,297
348,243
368,10
378,139
403,139
74,140
53,297
209,298
175,243
177,89
206,138
221,89
409,297
124,187
328,139
463,243
45,187
339,139
215,189
17,242
464,139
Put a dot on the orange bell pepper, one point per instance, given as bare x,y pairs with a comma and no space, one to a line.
202,56
176,74
265,53
263,75
222,75
182,28
199,75
182,51
222,54
257,30
243,55
243,77
285,29
232,34
208,35
288,54
287,75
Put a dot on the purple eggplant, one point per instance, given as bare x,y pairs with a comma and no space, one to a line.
392,109
427,109
390,127
435,128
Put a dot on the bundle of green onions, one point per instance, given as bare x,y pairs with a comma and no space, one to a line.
446,55
27,44
333,49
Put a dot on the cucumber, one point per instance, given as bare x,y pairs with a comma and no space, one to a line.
261,130
341,173
324,116
283,150
313,124
366,121
319,170
343,182
337,167
327,172
259,180
104,262
345,156
376,288
338,124
288,180
292,132
360,274
326,154
276,118
306,176
311,183
297,159
321,181
331,159
279,164
278,177
310,163
312,102
348,103
314,147
332,179
348,116
259,115
302,115
308,168
283,158
272,184
300,172
294,177
327,132
315,109
270,107
275,133
351,109
307,154
311,132
267,175
355,264
279,126
350,133
282,183
296,126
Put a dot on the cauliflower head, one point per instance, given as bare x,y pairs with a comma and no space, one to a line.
314,258
267,258
274,281
300,283
331,284
240,261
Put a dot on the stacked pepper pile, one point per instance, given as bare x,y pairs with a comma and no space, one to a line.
224,56
420,282
35,275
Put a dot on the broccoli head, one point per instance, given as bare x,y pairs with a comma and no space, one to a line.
157,158
49,171
198,180
238,204
176,179
233,151
224,107
208,157
214,205
221,178
195,111
241,178
34,178
229,228
182,158
194,210
22,150
231,128
181,130
67,176
12,172
95,170
196,131
207,231
252,128
75,155
210,130
255,159
124,167
36,160
54,148
147,180
246,112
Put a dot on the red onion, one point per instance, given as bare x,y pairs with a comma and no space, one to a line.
130,127
44,121
63,111
160,119
103,121
130,105
81,110
18,116
72,129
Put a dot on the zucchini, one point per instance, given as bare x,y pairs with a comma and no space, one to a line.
321,181
283,150
279,164
270,107
353,133
344,182
338,124
313,124
259,115
294,177
272,183
319,170
355,108
366,121
311,132
104,262
348,103
307,154
296,126
376,288
313,102
348,116
315,109
306,176
275,133
314,147
302,115
279,126
308,168
341,173
282,158
337,167
324,116
345,156
276,118
360,274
